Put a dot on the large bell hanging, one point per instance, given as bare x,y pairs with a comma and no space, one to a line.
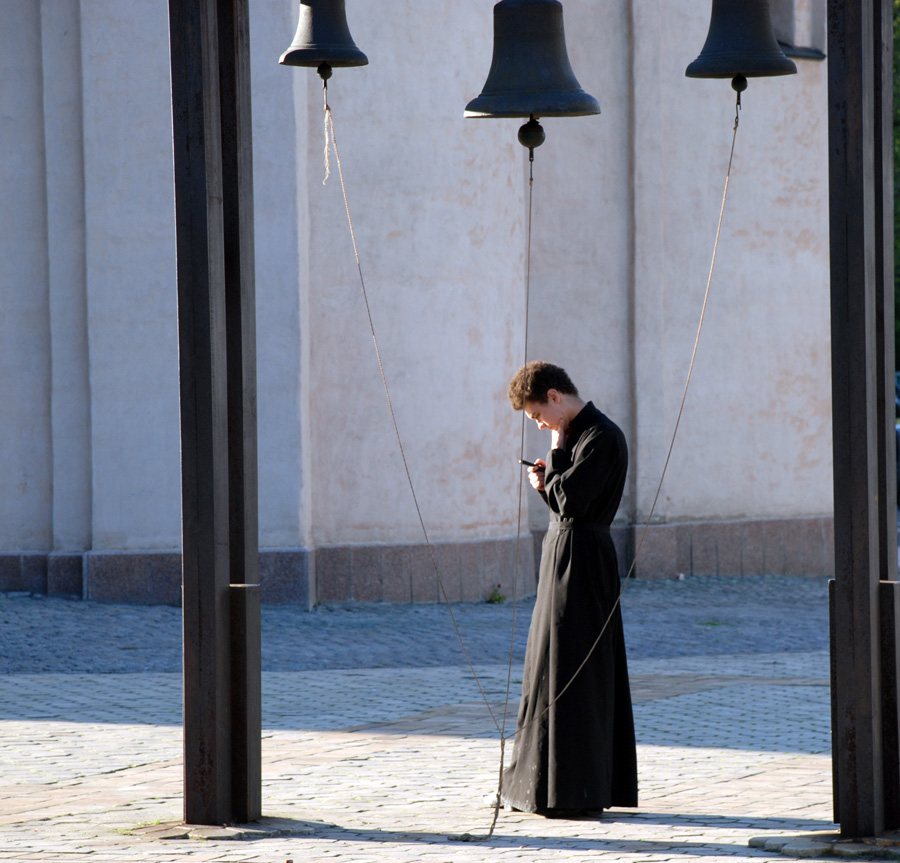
530,71
323,37
740,42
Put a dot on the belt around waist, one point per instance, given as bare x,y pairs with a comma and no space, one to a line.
573,524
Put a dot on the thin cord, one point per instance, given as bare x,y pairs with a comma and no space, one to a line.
687,384
512,637
329,123
501,728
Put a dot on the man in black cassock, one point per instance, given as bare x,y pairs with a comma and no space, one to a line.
574,749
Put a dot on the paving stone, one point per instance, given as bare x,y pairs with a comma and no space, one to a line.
807,848
712,616
378,745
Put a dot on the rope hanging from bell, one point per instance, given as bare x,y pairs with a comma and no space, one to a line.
323,41
530,73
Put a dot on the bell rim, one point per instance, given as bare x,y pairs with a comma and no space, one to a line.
581,105
338,56
522,115
726,65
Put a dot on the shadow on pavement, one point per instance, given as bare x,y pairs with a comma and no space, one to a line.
580,843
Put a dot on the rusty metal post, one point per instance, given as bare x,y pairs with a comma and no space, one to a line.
216,324
859,92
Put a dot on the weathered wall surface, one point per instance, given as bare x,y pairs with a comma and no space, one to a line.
582,307
437,204
623,256
25,459
130,243
755,438
625,210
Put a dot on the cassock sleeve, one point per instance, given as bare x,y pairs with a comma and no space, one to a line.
571,485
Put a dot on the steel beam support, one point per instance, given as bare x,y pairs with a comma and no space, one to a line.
859,91
246,678
889,588
204,417
240,335
240,294
890,667
213,208
883,191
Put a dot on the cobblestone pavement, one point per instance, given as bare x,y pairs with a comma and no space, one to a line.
378,746
698,616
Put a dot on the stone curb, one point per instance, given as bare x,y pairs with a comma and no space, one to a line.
818,845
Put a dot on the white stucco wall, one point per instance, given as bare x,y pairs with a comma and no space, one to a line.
437,203
755,438
64,166
625,209
130,228
581,316
25,458
280,205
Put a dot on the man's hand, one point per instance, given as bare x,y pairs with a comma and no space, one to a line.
536,474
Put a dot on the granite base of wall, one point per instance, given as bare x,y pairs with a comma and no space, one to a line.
467,571
23,573
140,577
154,578
790,546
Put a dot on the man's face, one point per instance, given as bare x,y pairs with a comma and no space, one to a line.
548,414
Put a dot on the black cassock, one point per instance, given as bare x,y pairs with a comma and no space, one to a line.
579,754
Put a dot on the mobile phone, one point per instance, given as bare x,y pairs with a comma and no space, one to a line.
527,463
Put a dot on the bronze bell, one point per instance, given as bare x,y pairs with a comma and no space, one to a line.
323,37
530,71
740,42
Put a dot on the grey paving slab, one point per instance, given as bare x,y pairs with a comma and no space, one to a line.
698,616
378,745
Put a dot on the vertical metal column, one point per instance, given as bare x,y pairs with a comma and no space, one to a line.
240,317
204,419
889,600
883,191
889,590
213,207
859,83
240,295
246,737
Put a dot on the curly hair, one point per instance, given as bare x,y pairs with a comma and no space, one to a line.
532,382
